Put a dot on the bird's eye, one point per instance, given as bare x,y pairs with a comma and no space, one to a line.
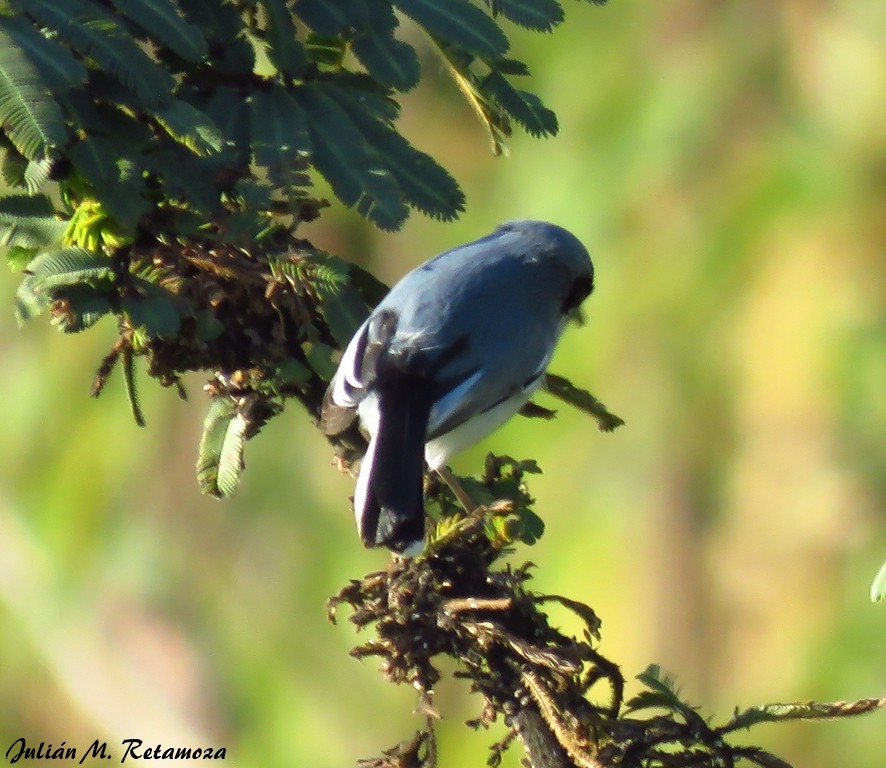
580,290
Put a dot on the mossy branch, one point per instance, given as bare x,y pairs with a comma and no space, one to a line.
558,695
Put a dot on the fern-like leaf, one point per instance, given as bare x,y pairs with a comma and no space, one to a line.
57,269
162,21
325,18
96,34
279,131
526,108
29,222
191,127
284,49
459,24
354,172
540,15
388,60
29,114
55,63
222,25
220,457
425,184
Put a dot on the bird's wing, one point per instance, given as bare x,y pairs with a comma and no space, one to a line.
478,393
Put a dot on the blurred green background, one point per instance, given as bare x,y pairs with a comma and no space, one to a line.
725,164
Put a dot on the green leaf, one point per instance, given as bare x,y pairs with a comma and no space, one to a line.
878,587
93,33
220,457
83,307
29,222
228,110
221,23
118,123
342,307
388,60
51,271
115,178
185,177
319,356
367,93
284,50
29,115
94,158
325,18
355,173
153,308
55,63
526,108
279,132
191,127
18,257
163,22
540,15
328,50
425,184
290,372
131,391
458,23
68,266
231,463
29,303
12,164
37,174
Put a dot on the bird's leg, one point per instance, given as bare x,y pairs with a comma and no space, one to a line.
459,492
473,519
475,514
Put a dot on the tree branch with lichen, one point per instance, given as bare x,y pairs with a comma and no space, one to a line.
558,695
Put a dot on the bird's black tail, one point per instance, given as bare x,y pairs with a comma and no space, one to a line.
389,501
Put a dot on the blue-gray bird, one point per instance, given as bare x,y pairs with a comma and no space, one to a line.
451,353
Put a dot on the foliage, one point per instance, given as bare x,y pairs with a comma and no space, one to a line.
166,153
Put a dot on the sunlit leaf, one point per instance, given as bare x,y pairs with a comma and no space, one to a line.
29,221
190,127
29,113
878,587
220,457
53,270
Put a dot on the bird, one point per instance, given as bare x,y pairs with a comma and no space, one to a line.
454,349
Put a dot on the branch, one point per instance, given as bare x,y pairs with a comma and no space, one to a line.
557,694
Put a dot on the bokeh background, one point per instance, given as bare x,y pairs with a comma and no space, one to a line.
725,163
